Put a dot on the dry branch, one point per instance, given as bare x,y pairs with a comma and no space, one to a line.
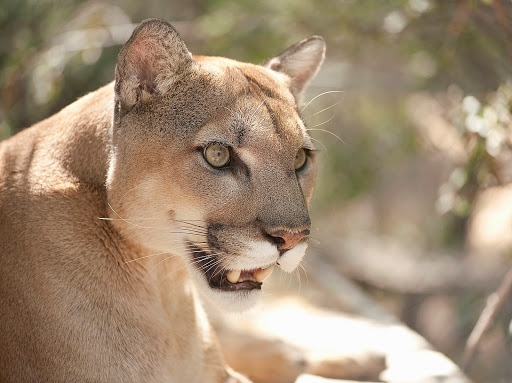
406,270
494,303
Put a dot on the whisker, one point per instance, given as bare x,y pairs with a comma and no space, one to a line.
297,273
317,242
216,265
212,262
326,131
146,256
163,260
194,230
199,259
323,110
321,94
185,277
191,224
207,264
171,273
230,111
217,261
177,285
304,263
305,272
195,251
202,259
325,122
173,255
133,236
127,220
289,277
220,270
252,115
197,233
321,250
111,208
320,142
184,247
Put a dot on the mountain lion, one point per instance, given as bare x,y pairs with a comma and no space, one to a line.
188,176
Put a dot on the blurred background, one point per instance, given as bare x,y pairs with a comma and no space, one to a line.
414,195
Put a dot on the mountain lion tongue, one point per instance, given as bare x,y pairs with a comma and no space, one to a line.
258,275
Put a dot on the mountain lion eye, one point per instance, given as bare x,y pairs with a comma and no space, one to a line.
300,159
217,155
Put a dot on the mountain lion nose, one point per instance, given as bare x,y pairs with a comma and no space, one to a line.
286,240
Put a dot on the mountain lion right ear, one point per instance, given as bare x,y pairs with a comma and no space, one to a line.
149,62
301,62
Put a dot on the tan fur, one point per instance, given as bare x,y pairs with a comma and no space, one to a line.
83,298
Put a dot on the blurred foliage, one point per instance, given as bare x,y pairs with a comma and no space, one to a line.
379,54
486,129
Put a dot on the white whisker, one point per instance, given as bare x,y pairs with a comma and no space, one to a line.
301,265
297,273
171,273
326,131
325,122
230,111
184,247
163,260
146,256
252,115
323,110
320,142
321,94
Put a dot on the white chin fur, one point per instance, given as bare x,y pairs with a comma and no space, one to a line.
233,301
291,258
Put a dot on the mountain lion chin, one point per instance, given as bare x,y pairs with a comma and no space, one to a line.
233,290
236,290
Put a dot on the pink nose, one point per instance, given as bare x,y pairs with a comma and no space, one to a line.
286,240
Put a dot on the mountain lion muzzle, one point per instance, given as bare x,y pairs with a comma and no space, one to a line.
187,176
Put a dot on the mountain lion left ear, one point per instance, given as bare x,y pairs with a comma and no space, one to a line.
301,62
149,62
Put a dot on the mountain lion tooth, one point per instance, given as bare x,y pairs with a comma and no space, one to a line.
262,274
233,275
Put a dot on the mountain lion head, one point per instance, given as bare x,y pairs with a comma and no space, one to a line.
211,160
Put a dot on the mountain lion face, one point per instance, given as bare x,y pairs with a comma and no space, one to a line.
211,160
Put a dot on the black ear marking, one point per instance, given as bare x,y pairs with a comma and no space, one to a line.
301,62
149,62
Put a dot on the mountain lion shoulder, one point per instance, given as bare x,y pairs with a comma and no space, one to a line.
188,176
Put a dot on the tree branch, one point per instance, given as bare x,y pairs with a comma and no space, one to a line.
494,303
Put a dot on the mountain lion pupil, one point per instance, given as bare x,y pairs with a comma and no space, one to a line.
217,155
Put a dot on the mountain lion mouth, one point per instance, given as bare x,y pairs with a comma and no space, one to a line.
228,280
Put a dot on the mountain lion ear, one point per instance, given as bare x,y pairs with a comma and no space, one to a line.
301,62
149,62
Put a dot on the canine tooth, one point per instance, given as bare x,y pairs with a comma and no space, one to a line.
233,275
262,274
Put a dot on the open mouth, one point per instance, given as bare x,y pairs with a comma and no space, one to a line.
229,280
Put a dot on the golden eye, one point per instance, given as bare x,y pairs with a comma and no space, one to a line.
300,159
217,155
